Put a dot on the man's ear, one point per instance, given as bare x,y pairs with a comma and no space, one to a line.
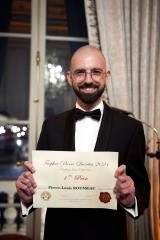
69,78
108,73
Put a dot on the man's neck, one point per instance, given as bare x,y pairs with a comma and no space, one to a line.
88,107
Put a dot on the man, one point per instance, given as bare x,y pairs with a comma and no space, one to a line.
110,131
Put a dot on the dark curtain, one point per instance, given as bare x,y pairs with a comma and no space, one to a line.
76,21
5,17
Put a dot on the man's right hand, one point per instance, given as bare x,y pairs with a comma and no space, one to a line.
25,184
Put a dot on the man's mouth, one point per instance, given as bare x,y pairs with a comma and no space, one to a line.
88,89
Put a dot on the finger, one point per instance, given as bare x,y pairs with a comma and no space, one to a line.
125,198
121,170
29,176
23,189
25,197
124,185
21,186
31,190
22,182
25,181
123,179
120,180
127,182
128,190
29,166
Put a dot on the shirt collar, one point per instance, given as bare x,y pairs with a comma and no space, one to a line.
99,106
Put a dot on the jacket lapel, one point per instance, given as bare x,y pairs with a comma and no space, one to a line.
104,131
69,132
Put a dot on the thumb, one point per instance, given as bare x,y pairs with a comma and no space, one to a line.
29,166
121,170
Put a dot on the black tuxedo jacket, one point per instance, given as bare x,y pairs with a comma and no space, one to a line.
119,133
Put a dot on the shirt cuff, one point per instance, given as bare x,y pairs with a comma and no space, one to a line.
25,209
133,210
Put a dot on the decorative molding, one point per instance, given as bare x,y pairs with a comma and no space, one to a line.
11,220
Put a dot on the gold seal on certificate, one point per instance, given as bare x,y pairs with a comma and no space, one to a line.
45,195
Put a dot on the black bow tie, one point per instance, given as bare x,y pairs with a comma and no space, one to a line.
79,114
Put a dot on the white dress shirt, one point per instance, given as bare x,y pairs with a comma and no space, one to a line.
86,131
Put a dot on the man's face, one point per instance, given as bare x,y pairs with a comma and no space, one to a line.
88,76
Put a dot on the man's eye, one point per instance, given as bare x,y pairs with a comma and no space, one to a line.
96,72
80,72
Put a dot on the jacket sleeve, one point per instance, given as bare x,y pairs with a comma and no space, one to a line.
42,142
135,162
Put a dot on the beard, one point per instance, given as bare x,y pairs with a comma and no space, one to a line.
89,98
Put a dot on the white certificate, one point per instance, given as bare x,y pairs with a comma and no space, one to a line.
75,179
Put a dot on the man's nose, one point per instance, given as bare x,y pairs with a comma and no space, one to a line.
88,77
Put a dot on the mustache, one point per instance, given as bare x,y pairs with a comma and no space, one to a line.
88,85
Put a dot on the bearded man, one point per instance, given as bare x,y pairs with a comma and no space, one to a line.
92,126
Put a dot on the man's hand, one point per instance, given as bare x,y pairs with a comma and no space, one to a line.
124,188
25,184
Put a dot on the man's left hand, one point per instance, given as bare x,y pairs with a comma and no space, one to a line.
124,188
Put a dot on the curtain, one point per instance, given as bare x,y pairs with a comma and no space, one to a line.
128,32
